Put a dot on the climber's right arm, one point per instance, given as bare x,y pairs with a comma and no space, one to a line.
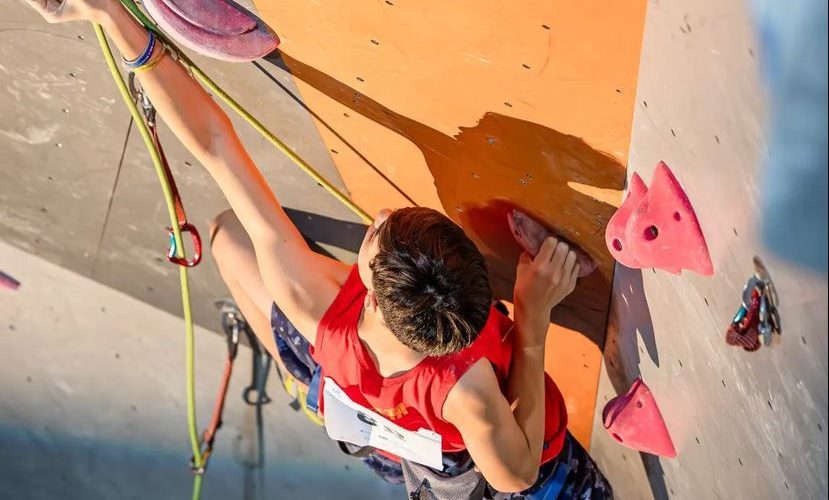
302,282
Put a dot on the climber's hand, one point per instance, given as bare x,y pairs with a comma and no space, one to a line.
59,11
541,284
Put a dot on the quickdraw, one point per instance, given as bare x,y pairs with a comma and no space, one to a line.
757,321
141,99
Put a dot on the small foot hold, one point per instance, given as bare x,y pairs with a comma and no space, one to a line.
635,421
220,29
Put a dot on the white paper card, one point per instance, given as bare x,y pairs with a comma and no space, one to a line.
348,421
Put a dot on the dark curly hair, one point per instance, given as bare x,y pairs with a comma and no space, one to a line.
430,281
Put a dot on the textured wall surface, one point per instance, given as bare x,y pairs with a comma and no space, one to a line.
745,425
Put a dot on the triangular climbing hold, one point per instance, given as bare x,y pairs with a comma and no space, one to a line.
214,28
635,421
663,232
657,227
615,233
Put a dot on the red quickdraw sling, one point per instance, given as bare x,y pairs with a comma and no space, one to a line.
185,227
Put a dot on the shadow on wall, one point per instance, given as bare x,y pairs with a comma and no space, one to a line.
321,229
623,351
45,464
507,161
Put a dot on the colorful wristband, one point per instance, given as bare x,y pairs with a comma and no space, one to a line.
145,56
153,63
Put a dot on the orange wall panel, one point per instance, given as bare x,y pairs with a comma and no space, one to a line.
475,106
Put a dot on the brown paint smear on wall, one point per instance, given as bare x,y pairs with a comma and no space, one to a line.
506,162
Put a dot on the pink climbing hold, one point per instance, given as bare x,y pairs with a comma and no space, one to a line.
7,281
214,28
635,421
529,233
662,231
615,233
218,17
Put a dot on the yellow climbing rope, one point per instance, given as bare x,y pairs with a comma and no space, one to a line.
192,428
185,288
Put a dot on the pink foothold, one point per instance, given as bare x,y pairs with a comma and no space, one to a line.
635,421
214,28
615,232
7,281
664,232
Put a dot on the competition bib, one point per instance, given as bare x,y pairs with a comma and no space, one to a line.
348,421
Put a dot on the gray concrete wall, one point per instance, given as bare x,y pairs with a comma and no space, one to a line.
67,152
745,425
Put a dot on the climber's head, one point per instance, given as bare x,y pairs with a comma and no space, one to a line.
426,278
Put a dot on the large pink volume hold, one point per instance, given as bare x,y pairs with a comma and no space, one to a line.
214,28
530,234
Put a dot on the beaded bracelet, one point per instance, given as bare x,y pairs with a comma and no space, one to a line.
145,56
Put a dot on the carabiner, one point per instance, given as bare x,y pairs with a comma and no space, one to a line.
194,235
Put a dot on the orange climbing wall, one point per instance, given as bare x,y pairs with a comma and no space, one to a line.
472,106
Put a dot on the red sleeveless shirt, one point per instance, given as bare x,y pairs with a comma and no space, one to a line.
414,399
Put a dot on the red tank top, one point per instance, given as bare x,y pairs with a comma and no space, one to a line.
414,399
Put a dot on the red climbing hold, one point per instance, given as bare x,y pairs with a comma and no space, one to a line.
662,231
215,28
615,233
7,281
529,233
635,421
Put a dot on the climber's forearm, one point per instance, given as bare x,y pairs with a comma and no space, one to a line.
203,127
183,104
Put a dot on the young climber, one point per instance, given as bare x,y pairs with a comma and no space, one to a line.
408,333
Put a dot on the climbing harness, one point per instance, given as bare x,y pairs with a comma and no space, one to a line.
201,448
757,321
